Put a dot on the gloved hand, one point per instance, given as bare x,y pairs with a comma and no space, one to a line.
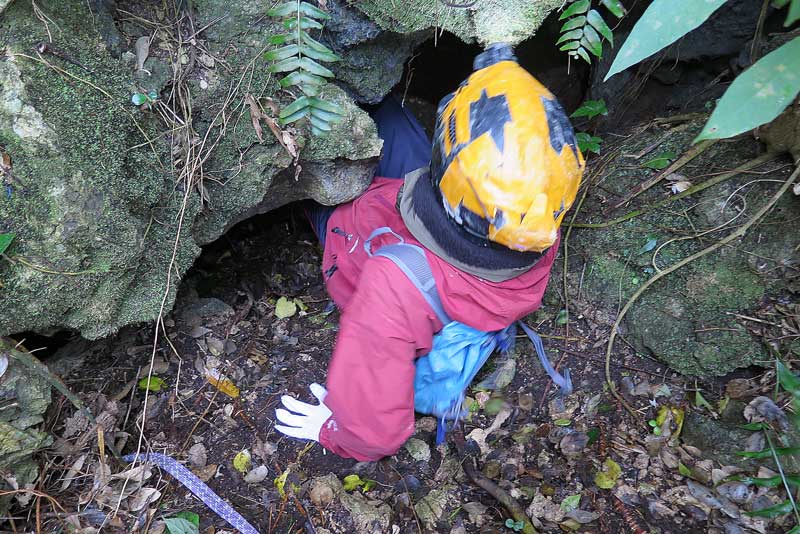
307,419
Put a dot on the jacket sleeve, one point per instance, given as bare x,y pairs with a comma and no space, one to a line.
370,382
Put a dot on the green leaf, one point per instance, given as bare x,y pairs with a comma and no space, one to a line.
764,90
570,36
683,470
327,56
154,384
138,99
242,461
588,143
767,453
607,478
313,43
788,381
305,24
313,11
572,45
600,25
293,63
649,245
779,4
753,426
615,7
289,8
591,108
325,115
320,124
794,13
562,316
309,65
795,530
661,161
325,105
179,525
571,24
581,51
663,23
282,53
701,401
591,41
284,307
5,241
299,77
317,132
352,482
576,8
570,503
771,482
310,90
773,511
191,517
296,116
282,38
562,422
297,105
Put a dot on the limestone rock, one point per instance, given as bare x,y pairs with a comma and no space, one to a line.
26,395
487,21
100,201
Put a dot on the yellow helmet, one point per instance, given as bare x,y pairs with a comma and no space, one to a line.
505,158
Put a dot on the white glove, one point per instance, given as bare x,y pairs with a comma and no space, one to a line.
307,419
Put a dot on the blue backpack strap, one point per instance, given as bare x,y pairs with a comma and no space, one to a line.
564,382
412,261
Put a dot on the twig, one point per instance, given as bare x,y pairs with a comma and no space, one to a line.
739,232
688,156
755,162
501,495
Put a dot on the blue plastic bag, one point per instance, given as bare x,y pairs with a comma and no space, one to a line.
459,351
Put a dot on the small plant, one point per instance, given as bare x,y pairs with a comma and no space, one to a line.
299,57
516,526
591,109
144,99
583,32
588,142
777,432
764,90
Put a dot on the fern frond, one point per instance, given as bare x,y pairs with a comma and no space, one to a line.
301,56
585,29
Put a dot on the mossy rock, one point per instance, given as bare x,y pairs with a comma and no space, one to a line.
688,319
486,21
102,206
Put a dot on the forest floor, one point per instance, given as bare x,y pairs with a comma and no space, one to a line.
581,464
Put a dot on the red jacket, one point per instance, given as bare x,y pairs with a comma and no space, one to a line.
386,323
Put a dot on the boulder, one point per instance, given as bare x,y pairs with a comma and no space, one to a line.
688,319
25,396
484,21
104,219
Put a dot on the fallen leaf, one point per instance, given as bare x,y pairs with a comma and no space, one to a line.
285,308
219,381
661,161
154,384
242,461
179,525
680,187
607,478
257,475
142,498
197,455
571,502
280,483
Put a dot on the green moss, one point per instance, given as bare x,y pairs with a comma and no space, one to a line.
490,21
686,318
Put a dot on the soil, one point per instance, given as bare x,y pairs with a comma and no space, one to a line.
226,312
